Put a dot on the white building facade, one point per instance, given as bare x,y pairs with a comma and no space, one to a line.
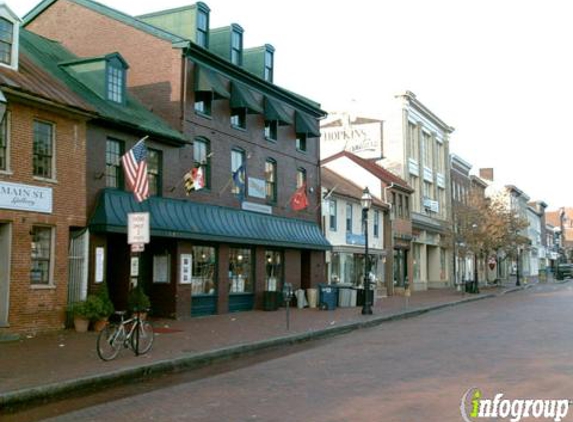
416,148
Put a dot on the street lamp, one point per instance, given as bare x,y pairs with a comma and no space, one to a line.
366,202
517,283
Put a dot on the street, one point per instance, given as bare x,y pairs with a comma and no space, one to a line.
418,369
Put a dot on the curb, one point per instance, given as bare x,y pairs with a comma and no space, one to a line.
17,398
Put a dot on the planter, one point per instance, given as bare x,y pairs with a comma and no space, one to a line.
100,325
81,324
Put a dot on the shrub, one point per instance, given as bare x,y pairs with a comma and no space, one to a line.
137,300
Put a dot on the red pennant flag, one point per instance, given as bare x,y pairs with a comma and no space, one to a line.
299,201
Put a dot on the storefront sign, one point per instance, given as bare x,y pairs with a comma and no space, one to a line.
16,196
257,188
137,227
251,206
355,239
185,276
99,264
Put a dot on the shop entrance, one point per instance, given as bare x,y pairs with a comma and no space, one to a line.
5,241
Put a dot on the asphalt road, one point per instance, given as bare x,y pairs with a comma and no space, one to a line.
412,370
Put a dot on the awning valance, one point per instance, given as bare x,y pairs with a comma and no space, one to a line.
242,97
274,110
183,219
208,80
307,125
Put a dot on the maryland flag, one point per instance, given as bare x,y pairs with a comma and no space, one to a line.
194,179
299,201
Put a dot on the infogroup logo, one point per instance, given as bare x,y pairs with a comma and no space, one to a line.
474,407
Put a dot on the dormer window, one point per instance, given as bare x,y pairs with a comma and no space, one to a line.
237,47
115,80
202,28
9,33
268,75
6,41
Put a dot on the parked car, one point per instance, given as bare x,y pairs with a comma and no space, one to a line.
564,271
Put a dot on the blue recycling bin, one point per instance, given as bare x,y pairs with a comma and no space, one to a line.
328,296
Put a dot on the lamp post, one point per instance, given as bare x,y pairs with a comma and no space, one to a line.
517,283
366,202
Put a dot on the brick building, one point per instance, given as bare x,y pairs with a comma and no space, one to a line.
42,189
223,246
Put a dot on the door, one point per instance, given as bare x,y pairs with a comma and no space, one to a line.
5,242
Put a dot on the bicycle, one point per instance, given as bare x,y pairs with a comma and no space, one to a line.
134,333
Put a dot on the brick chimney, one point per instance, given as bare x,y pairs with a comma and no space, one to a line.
486,174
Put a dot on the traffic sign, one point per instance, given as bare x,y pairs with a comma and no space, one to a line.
137,227
137,247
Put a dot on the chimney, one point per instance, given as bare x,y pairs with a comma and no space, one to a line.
486,174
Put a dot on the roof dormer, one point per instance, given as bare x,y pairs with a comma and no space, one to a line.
260,61
227,42
106,76
9,37
190,22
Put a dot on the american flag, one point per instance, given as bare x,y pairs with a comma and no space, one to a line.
135,167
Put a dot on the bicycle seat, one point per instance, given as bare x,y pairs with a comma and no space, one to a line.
120,313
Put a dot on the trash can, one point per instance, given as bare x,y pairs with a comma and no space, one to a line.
328,296
271,300
346,296
300,299
311,295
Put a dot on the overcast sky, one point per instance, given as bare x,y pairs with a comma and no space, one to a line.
498,71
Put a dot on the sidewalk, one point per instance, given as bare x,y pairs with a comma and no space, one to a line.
48,365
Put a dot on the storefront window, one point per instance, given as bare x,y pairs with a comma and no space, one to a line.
274,270
240,271
203,281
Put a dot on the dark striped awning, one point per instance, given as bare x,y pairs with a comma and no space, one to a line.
184,219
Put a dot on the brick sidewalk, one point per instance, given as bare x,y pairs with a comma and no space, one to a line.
64,356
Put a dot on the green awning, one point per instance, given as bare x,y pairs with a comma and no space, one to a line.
184,219
306,124
242,97
274,110
207,80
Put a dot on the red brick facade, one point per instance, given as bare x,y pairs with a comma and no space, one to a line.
34,307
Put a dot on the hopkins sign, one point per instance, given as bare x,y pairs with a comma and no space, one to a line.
362,137
15,196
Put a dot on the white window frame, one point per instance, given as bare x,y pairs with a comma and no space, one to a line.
52,177
7,122
9,15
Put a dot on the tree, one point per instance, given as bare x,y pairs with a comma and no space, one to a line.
486,226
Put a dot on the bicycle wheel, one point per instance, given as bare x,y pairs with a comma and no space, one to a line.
142,338
109,341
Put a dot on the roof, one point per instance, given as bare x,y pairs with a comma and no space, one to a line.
344,187
108,11
553,218
196,52
50,55
178,218
385,175
31,79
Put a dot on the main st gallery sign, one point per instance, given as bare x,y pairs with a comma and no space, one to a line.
20,197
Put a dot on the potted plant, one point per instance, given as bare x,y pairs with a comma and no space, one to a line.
138,302
81,314
103,308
